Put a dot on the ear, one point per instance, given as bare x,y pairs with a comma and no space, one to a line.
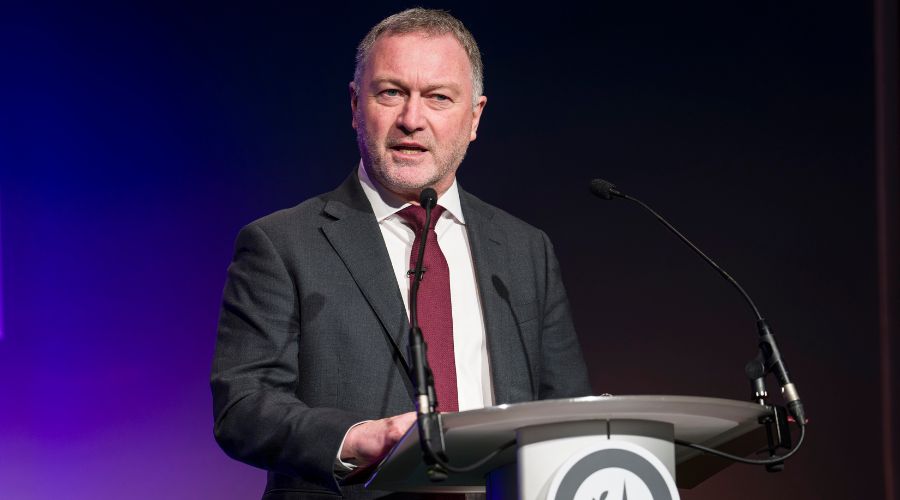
476,116
354,102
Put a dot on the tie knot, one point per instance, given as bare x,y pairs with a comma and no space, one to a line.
414,215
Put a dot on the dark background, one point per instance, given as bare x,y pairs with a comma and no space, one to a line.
137,139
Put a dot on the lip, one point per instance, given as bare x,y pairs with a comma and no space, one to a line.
408,145
413,150
402,155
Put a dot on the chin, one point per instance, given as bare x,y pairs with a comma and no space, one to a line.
409,177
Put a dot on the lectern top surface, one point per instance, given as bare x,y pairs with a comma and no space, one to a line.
689,414
475,433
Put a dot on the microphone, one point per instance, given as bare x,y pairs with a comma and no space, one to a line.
604,189
428,198
431,433
771,356
425,400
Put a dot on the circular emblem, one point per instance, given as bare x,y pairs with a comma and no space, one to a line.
614,470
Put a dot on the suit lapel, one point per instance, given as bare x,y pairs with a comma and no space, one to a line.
357,239
489,256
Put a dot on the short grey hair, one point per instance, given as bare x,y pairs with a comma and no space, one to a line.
431,22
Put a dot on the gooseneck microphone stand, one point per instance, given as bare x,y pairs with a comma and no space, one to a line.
431,431
431,435
768,360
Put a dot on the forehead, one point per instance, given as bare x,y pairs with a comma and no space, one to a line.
419,56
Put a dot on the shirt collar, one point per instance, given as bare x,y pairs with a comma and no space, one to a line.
385,203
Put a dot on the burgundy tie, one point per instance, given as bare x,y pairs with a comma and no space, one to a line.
434,312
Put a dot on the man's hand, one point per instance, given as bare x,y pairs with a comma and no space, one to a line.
368,442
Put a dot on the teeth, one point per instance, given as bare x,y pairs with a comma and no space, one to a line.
409,151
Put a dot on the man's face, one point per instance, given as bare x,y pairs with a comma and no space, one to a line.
413,112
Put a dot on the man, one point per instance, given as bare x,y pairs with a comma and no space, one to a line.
310,373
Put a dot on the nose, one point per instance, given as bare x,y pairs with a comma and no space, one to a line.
411,117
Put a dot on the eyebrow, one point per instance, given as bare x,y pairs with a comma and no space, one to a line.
429,88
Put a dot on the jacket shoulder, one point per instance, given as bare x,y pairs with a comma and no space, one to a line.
347,200
511,224
303,214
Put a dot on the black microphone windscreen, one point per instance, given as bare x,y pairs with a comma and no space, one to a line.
603,189
428,198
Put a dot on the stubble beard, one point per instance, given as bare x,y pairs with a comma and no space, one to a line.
389,173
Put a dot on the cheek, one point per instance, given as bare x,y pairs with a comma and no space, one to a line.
453,127
378,124
464,129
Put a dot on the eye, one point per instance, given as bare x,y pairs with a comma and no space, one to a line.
440,101
389,96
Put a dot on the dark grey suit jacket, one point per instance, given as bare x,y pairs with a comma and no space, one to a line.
313,333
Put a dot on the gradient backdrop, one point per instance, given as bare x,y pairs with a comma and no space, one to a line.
137,138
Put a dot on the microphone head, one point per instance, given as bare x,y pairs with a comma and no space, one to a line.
604,189
428,198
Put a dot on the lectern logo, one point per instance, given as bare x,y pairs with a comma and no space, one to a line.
624,494
613,471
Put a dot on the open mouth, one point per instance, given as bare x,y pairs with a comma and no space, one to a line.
409,148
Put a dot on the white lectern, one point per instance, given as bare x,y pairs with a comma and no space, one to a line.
594,447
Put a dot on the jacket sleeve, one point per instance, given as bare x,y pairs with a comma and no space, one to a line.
259,419
563,371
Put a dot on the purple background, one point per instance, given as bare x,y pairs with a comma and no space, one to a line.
138,139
